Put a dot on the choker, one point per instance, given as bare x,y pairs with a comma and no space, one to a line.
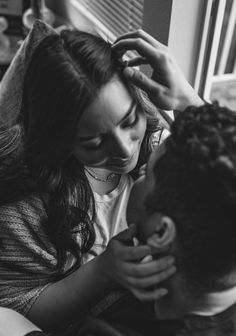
110,177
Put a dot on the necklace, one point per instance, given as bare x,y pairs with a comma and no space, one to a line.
110,177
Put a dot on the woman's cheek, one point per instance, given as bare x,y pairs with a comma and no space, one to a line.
90,158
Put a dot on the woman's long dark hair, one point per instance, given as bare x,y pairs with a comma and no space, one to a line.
63,78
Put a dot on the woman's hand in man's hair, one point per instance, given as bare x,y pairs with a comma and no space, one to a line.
167,88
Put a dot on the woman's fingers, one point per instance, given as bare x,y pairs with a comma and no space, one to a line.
137,61
152,267
141,34
145,83
130,253
142,47
134,267
151,280
157,93
160,95
154,295
167,89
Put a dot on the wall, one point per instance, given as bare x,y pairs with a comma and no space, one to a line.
156,21
178,24
185,33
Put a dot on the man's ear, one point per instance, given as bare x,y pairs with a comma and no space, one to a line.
163,235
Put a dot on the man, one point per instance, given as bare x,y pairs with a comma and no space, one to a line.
187,203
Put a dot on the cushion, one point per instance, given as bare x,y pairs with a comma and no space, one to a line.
11,86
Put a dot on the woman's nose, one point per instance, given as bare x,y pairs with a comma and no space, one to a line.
123,146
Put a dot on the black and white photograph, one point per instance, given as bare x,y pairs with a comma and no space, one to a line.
117,167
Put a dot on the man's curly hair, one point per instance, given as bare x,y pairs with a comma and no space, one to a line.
196,187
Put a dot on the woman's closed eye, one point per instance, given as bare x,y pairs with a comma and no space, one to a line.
92,145
132,120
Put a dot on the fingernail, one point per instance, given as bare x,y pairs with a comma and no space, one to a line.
147,259
172,269
162,292
170,260
128,71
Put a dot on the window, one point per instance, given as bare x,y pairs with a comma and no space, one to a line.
191,28
216,74
112,18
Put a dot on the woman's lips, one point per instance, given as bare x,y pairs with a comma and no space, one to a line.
120,162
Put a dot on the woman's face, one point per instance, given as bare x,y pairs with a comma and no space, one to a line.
136,211
111,130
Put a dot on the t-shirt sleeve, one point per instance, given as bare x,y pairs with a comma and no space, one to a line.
27,258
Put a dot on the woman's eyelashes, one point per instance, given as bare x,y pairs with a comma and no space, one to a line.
93,146
132,120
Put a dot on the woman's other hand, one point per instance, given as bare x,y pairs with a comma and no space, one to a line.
133,267
167,88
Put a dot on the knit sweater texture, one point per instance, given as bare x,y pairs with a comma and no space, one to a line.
27,257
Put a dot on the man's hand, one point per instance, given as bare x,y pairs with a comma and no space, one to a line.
167,88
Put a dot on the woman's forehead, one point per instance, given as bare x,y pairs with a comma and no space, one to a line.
108,109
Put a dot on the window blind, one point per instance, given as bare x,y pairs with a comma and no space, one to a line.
117,16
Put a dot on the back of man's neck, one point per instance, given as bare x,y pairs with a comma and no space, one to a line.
179,302
216,302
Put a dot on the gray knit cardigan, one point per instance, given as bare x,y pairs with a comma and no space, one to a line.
27,257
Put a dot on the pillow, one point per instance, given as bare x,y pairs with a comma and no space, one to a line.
11,86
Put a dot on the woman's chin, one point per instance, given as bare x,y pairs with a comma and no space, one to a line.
124,168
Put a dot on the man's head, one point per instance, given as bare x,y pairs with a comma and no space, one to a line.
187,200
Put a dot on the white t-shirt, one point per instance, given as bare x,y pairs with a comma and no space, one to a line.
110,216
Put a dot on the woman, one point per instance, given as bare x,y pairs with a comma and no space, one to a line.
83,130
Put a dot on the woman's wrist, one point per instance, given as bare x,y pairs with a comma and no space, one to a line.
105,274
